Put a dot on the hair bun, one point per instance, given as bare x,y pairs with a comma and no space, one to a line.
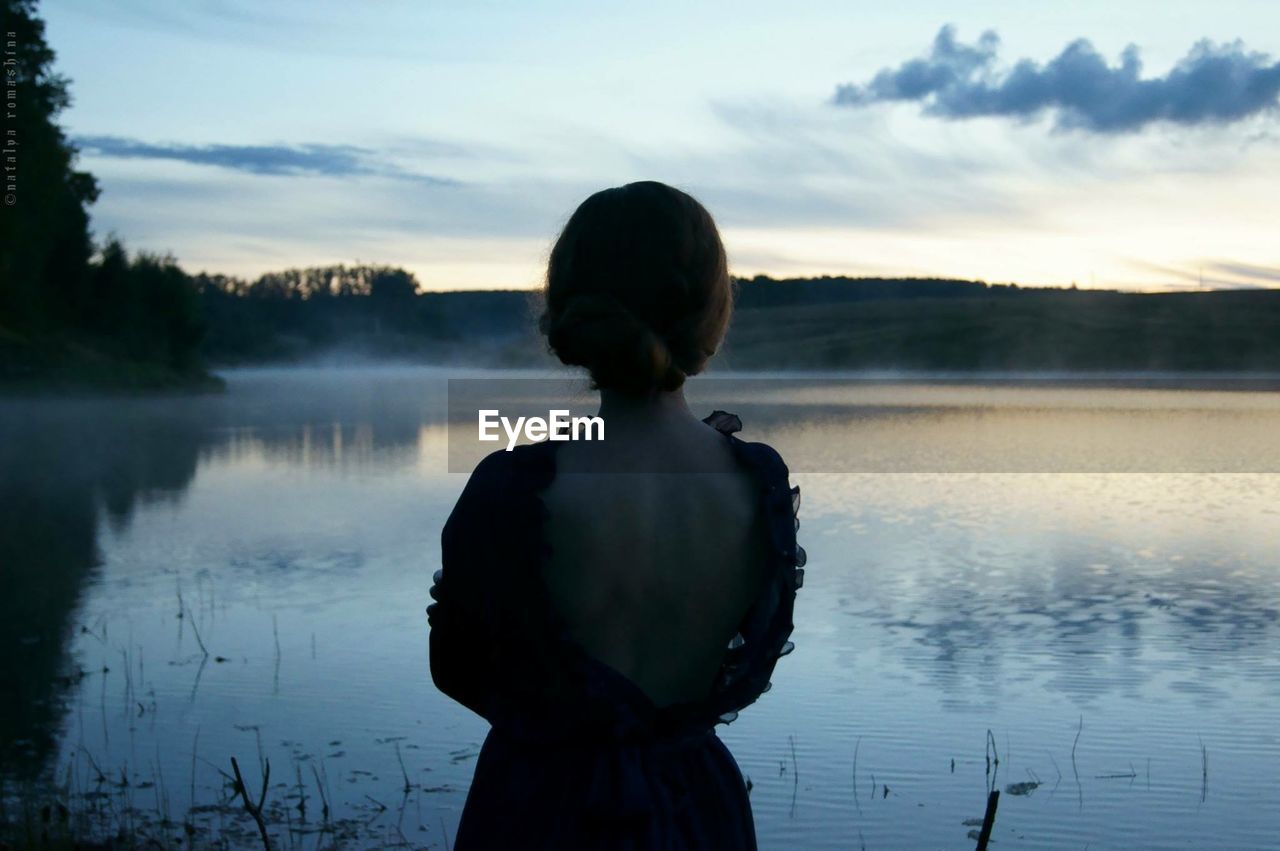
619,348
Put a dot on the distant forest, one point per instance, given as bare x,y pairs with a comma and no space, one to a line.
73,313
812,323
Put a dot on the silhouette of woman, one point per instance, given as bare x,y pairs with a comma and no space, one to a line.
604,605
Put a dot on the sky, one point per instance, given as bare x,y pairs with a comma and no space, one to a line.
1129,145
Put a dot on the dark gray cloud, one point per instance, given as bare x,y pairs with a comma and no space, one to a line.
326,160
1212,84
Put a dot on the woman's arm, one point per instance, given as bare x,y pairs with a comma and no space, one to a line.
463,638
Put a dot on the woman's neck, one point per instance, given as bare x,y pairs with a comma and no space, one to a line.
661,406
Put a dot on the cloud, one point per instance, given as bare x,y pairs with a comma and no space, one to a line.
1256,274
313,159
1213,275
1212,84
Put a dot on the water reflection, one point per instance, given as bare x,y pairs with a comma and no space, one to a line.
978,585
62,465
68,465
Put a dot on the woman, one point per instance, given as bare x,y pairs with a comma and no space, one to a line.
604,604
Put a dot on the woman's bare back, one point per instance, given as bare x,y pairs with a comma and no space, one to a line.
658,550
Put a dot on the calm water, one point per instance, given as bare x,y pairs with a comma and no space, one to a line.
972,567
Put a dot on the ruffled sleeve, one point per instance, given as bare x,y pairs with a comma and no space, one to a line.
765,632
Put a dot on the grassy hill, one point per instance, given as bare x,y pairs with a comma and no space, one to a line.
1023,330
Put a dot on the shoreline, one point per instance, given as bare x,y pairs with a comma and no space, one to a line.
51,367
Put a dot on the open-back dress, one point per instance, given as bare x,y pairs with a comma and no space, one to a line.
578,755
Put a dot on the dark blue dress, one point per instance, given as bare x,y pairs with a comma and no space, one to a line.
578,756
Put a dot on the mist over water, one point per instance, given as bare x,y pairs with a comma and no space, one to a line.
968,571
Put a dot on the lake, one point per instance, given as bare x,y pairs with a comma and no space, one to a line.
187,580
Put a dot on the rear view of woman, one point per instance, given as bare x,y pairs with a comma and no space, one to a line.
605,604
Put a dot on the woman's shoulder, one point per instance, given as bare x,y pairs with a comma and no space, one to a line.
503,469
771,472
760,456
502,488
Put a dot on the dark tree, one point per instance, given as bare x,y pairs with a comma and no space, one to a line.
44,227
392,286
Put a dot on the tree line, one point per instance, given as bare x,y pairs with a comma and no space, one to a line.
69,308
288,314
